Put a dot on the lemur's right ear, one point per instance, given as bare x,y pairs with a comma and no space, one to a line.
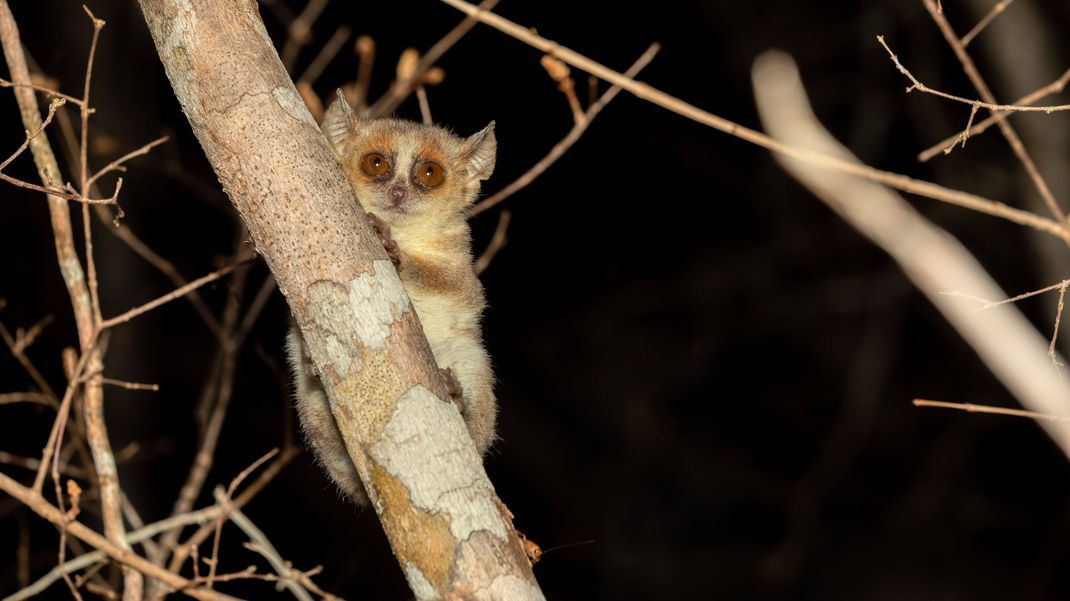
339,119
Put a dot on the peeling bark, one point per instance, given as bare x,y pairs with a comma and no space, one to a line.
452,536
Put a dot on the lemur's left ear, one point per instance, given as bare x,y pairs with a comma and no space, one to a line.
480,151
339,120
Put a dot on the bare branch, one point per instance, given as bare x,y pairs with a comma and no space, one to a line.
992,14
117,164
170,296
971,408
497,242
945,146
579,126
401,88
326,55
915,84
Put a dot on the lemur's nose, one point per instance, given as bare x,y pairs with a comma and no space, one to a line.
397,195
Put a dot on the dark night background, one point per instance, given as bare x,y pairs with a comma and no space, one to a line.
700,367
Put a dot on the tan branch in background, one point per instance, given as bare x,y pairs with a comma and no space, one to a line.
932,259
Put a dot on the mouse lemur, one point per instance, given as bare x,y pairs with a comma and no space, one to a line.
416,183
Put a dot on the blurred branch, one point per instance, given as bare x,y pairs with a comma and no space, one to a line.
932,259
992,14
497,242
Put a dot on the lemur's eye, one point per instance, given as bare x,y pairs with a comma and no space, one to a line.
375,164
430,174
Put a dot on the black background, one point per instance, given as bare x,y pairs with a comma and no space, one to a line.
700,367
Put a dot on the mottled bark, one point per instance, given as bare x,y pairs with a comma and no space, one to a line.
452,536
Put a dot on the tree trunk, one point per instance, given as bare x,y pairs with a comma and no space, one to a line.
452,536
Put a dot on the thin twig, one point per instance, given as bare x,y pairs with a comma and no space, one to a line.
972,408
61,414
673,104
991,304
130,385
33,464
1055,330
425,105
42,89
579,126
83,173
915,84
945,145
20,356
401,88
358,92
497,242
22,553
224,500
992,14
117,164
10,398
64,192
326,55
52,108
300,32
170,296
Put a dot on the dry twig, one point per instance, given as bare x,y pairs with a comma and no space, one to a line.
992,14
579,126
401,88
971,408
945,146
